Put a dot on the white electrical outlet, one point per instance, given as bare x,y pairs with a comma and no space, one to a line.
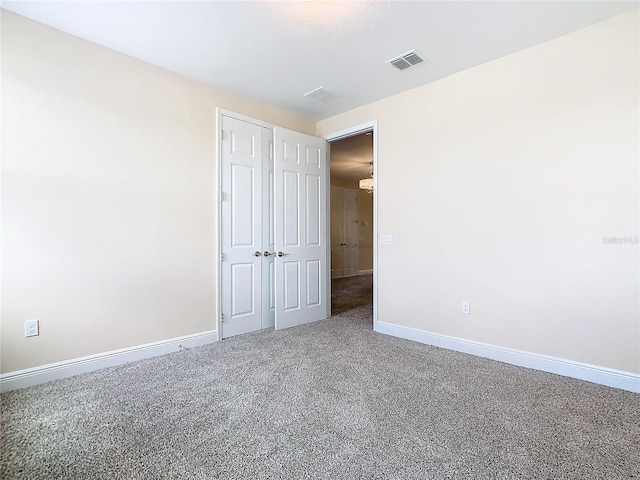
31,328
466,308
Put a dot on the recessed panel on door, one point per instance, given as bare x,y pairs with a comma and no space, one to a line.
291,285
290,152
242,205
291,208
313,156
271,305
314,285
271,236
312,203
242,143
242,290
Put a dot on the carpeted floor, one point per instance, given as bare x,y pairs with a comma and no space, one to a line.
328,400
348,293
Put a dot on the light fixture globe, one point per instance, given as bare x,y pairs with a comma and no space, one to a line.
366,184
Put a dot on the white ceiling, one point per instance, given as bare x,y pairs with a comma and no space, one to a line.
277,51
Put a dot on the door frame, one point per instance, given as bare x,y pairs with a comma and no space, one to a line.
217,260
339,135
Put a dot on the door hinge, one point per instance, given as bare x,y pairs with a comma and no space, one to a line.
221,134
222,317
222,257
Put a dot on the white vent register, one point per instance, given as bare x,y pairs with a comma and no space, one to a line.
322,95
405,60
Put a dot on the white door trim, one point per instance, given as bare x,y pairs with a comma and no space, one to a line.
349,132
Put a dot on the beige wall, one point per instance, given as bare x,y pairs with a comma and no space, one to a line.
108,197
498,185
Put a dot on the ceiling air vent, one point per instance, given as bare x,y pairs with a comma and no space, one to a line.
405,60
322,95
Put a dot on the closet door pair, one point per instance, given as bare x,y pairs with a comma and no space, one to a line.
273,227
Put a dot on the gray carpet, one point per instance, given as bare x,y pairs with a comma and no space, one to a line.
348,293
329,400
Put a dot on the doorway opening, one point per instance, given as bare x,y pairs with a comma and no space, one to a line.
352,173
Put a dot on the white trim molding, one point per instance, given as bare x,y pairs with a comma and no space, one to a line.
68,368
560,366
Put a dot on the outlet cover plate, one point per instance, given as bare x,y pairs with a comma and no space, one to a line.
31,328
465,308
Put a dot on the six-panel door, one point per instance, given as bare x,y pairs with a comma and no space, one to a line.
301,224
242,185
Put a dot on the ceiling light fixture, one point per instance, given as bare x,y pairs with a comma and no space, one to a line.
367,183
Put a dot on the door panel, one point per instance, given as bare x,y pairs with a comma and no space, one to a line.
337,197
300,192
290,204
351,233
241,228
290,152
242,298
350,216
242,205
313,156
314,288
241,143
349,260
313,210
336,261
345,233
291,272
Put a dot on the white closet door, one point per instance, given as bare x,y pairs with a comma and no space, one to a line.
351,233
301,209
241,227
337,231
344,232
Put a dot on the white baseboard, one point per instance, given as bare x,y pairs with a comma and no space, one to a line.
68,368
569,368
365,272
